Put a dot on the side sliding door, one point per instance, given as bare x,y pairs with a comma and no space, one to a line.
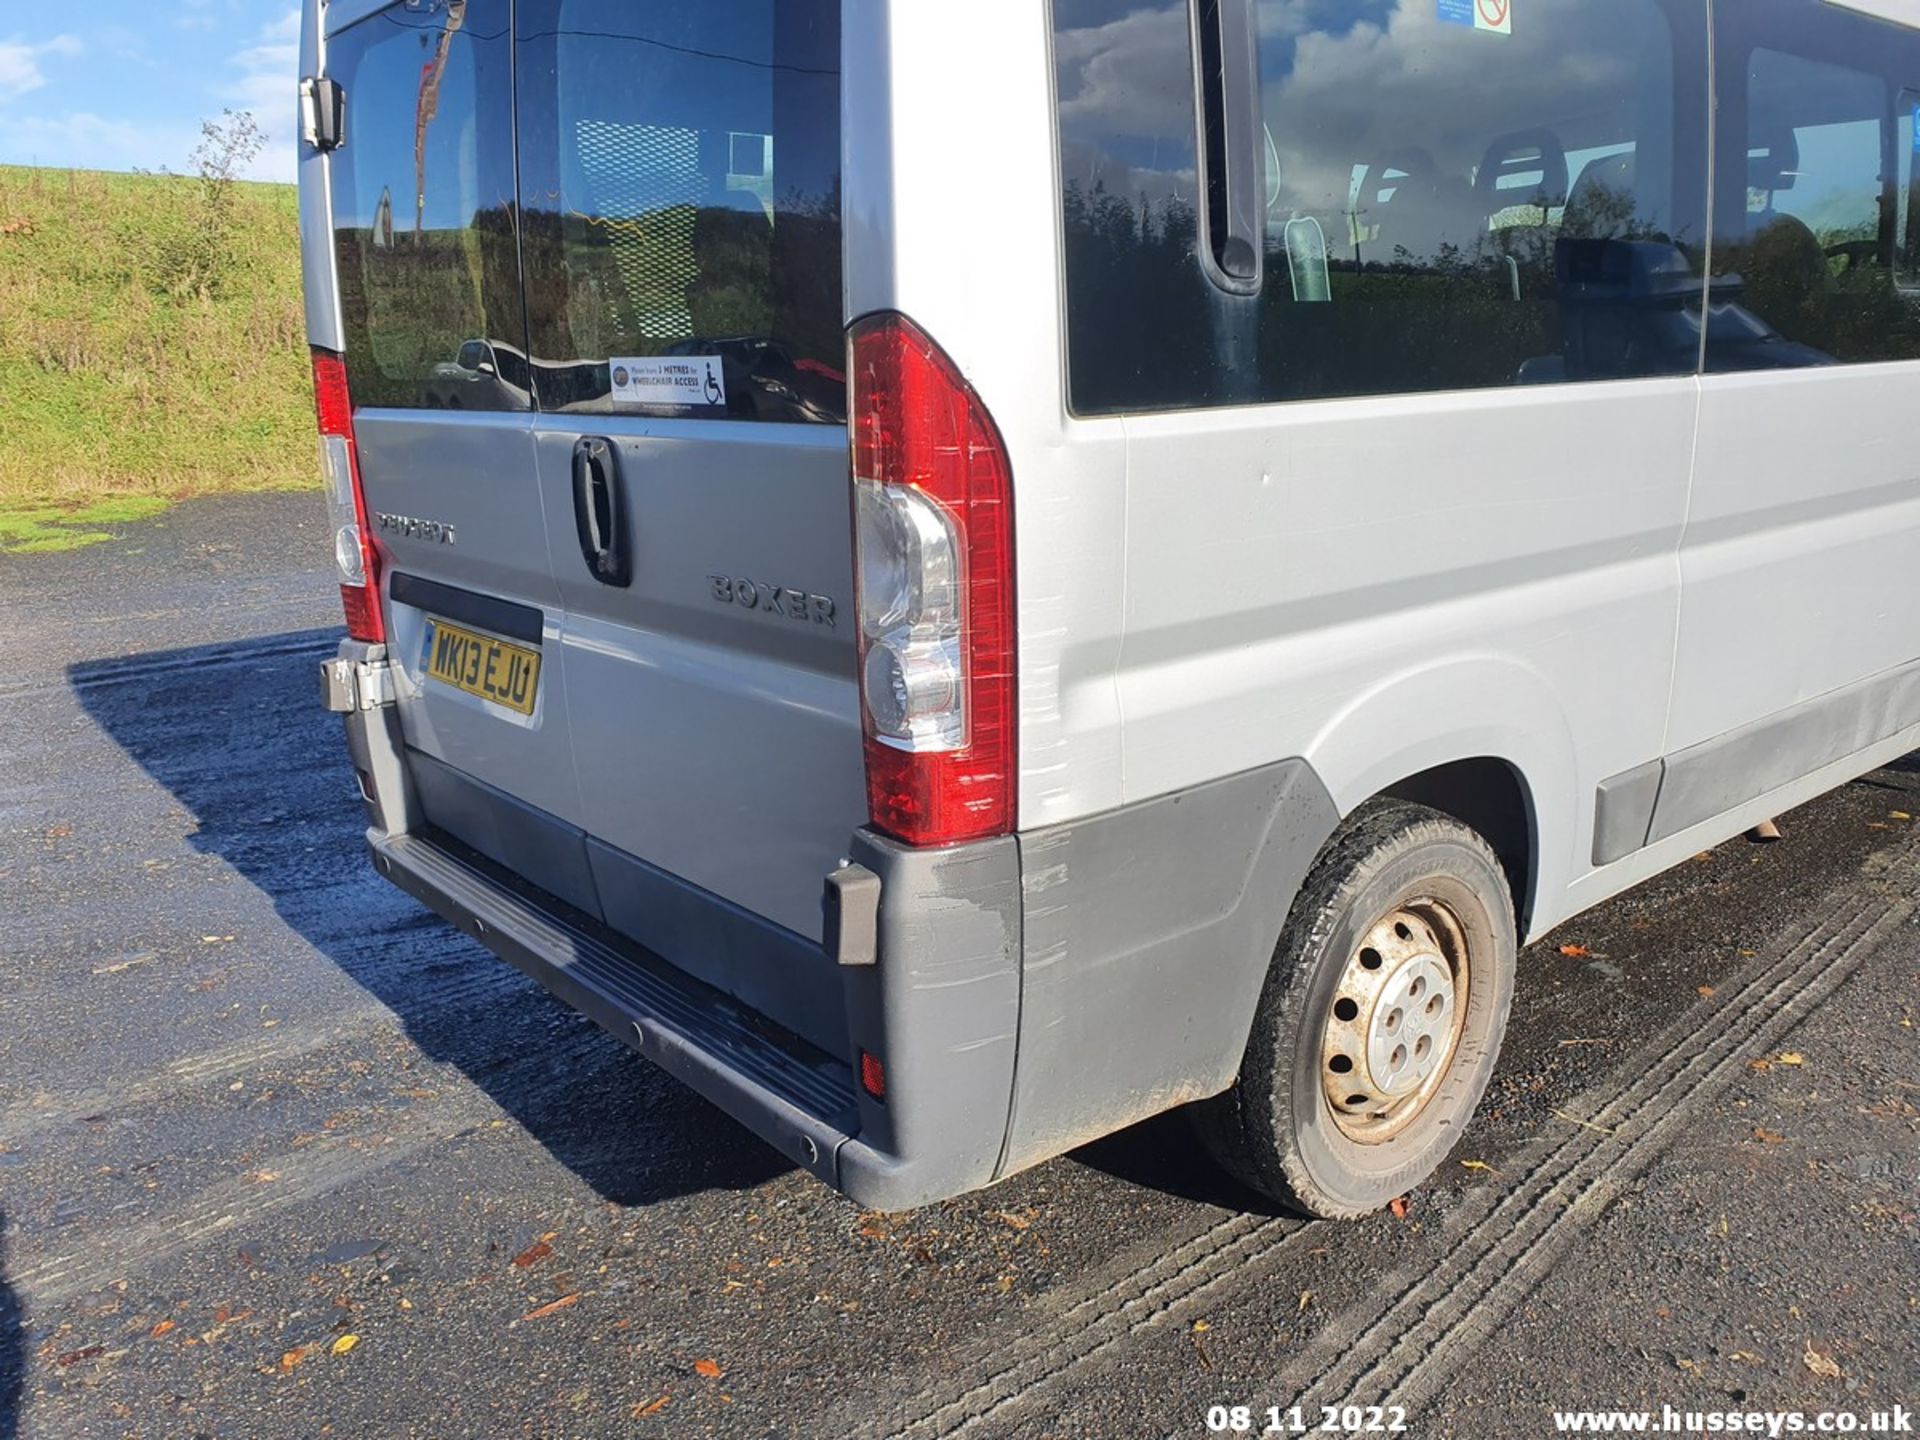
1419,500
1799,642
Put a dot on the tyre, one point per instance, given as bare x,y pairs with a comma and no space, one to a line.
1381,1019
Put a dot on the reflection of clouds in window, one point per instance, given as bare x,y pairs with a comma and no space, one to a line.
1373,89
1126,104
1118,77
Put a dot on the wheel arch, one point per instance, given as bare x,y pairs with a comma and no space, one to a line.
1483,739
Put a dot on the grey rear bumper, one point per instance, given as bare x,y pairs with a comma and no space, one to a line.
1031,993
945,1020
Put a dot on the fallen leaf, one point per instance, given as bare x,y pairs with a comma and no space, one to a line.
74,1357
1575,952
1583,1124
545,1310
1745,1357
161,1329
1898,815
534,1253
1478,1165
1306,1299
1705,992
292,1359
1768,1137
1201,1327
1759,1067
1018,1222
344,1344
708,1369
1823,1365
1790,1058
652,1407
1399,1205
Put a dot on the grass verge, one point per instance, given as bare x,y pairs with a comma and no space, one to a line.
121,389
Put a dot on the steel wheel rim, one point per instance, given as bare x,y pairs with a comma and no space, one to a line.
1394,1024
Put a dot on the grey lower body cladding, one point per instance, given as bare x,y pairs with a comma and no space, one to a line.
1661,798
1031,993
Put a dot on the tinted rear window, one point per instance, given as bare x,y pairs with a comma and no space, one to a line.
424,213
681,170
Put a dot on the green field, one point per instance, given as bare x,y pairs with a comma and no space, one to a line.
140,361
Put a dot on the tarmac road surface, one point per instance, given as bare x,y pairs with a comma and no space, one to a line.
281,1155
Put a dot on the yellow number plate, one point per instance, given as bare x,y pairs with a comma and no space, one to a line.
493,669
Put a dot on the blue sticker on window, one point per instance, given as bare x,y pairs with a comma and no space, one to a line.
1456,12
1916,129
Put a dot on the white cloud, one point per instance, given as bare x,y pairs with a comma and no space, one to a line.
265,81
20,69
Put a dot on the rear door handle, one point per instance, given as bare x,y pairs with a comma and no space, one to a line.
599,510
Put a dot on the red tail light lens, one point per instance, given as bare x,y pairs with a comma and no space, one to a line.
933,502
353,550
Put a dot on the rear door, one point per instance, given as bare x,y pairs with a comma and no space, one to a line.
681,167
426,238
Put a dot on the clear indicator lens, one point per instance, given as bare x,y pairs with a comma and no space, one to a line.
336,468
911,620
913,692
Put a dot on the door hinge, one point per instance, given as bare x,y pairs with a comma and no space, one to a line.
323,114
348,686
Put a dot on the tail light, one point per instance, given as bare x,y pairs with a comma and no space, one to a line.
933,508
353,554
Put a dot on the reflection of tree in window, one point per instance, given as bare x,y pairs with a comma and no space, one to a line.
428,108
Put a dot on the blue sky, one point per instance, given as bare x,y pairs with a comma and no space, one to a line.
124,84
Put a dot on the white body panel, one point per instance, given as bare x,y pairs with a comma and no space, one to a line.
1384,586
1802,561
1378,586
984,280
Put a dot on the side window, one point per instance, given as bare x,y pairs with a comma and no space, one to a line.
1138,323
423,199
1460,194
1811,250
681,167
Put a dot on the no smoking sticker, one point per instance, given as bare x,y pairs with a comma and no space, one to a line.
1493,16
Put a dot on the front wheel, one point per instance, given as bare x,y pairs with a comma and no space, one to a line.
1381,1020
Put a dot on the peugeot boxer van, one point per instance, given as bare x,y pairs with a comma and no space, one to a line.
960,576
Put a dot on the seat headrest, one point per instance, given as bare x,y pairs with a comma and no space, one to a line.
1604,194
1528,167
1773,158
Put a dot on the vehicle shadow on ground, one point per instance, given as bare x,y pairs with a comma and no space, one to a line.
1164,1154
13,1360
236,734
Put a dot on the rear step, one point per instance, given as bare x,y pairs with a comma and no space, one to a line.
797,1099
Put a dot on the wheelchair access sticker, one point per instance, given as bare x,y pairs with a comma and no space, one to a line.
1493,16
681,382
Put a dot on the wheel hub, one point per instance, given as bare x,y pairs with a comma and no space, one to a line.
1396,1021
1407,1031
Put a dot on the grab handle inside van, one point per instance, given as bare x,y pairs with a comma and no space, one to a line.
600,513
